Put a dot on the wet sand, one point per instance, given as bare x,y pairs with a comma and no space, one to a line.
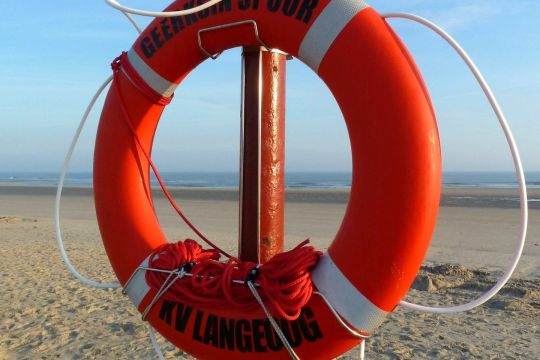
46,313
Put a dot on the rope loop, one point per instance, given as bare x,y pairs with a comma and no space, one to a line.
115,64
187,11
126,66
284,281
122,63
518,166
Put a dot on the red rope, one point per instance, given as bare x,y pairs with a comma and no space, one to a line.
138,81
116,69
284,280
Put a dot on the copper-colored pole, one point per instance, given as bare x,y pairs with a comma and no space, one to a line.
263,155
272,206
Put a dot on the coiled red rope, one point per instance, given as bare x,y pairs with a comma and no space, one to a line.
284,281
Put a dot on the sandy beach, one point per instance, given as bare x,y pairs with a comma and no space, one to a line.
45,313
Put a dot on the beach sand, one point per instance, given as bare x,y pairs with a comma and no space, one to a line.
45,313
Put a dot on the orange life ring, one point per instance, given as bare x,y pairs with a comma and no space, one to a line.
396,169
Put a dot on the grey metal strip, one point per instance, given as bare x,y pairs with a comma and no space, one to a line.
154,80
354,307
326,28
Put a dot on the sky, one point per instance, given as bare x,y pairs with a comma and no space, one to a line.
54,58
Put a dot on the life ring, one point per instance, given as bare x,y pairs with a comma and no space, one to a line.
396,167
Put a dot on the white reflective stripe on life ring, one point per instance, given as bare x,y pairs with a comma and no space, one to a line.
354,307
151,78
138,288
326,28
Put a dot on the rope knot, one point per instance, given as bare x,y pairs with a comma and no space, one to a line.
136,80
187,267
253,274
117,62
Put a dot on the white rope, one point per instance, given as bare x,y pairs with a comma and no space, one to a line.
273,322
363,349
67,161
115,4
59,240
133,22
155,344
164,288
517,164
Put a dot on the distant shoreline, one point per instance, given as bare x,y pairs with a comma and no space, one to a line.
293,180
451,196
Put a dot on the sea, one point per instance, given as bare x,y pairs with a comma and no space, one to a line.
293,180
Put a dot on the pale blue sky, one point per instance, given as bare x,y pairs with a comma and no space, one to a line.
54,58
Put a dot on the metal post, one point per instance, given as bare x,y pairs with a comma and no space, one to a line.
262,195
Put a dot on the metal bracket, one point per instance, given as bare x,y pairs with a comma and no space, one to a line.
225,26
